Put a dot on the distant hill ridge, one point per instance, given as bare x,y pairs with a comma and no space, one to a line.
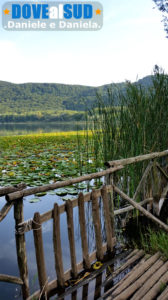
49,101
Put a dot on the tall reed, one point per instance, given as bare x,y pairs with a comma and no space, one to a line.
138,125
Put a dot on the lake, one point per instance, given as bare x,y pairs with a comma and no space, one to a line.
7,129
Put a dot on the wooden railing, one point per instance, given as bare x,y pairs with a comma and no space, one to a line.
14,197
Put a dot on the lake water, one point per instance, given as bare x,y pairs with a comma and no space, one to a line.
40,127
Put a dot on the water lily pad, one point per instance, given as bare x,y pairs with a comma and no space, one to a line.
41,194
61,192
34,200
72,191
66,198
51,193
82,186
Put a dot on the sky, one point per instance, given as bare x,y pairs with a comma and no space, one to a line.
128,46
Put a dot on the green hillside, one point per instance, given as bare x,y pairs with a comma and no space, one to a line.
49,102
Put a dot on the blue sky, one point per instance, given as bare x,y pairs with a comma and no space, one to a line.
130,43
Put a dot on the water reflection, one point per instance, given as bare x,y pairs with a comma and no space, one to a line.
40,127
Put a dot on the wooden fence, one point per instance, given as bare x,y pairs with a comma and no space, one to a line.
14,197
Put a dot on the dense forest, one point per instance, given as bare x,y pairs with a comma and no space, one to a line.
50,102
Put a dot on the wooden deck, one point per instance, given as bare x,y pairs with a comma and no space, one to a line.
147,278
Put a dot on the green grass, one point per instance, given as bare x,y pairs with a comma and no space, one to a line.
153,241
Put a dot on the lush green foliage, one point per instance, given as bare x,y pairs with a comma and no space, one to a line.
48,102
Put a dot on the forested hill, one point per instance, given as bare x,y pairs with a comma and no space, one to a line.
50,102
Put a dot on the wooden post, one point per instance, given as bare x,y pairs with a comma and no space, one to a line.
57,246
82,222
109,181
70,223
21,248
38,243
97,225
155,189
97,293
107,219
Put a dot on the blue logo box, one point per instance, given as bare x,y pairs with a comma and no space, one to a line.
52,16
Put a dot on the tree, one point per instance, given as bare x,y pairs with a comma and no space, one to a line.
163,7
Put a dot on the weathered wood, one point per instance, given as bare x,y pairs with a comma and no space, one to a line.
27,225
45,188
110,196
11,279
149,282
38,242
130,261
141,209
57,246
152,293
106,209
4,211
70,224
97,225
131,160
163,296
11,189
97,293
129,208
74,295
139,187
21,249
85,291
125,290
67,275
82,222
156,189
109,291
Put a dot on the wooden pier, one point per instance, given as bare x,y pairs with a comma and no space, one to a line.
147,276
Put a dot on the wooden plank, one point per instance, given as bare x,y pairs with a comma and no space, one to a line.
21,248
141,209
140,294
82,222
156,288
4,211
97,225
11,279
163,296
57,247
11,189
130,207
131,160
133,258
133,282
67,275
107,218
70,223
38,243
109,291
